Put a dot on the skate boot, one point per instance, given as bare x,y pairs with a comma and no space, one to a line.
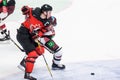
58,66
27,76
6,37
22,65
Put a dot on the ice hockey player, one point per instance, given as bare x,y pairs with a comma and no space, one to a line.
6,8
37,27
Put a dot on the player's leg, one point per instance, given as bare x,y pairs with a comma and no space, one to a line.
56,50
4,33
30,60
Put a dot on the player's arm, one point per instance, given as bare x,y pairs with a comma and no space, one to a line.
8,8
50,32
4,11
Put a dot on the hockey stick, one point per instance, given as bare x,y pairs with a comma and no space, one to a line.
15,43
12,39
45,60
48,67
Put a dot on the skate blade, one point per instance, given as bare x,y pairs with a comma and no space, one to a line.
57,69
29,79
21,68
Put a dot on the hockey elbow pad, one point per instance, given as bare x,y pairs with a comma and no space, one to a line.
25,10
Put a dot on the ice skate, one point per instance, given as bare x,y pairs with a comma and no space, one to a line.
22,66
28,77
58,66
7,37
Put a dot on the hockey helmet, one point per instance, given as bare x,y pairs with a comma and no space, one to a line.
46,7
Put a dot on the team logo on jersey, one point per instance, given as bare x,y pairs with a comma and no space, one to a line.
35,27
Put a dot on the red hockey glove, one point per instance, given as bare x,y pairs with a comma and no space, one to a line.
25,10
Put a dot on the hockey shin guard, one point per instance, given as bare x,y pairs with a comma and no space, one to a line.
30,60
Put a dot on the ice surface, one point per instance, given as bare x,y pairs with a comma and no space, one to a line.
103,70
88,31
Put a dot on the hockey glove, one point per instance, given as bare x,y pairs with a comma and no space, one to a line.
53,20
38,33
35,32
25,10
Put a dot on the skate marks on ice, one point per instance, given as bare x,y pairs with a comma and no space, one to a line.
103,70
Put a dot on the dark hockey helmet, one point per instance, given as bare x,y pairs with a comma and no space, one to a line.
46,7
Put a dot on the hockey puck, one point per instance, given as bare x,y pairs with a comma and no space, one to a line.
92,73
